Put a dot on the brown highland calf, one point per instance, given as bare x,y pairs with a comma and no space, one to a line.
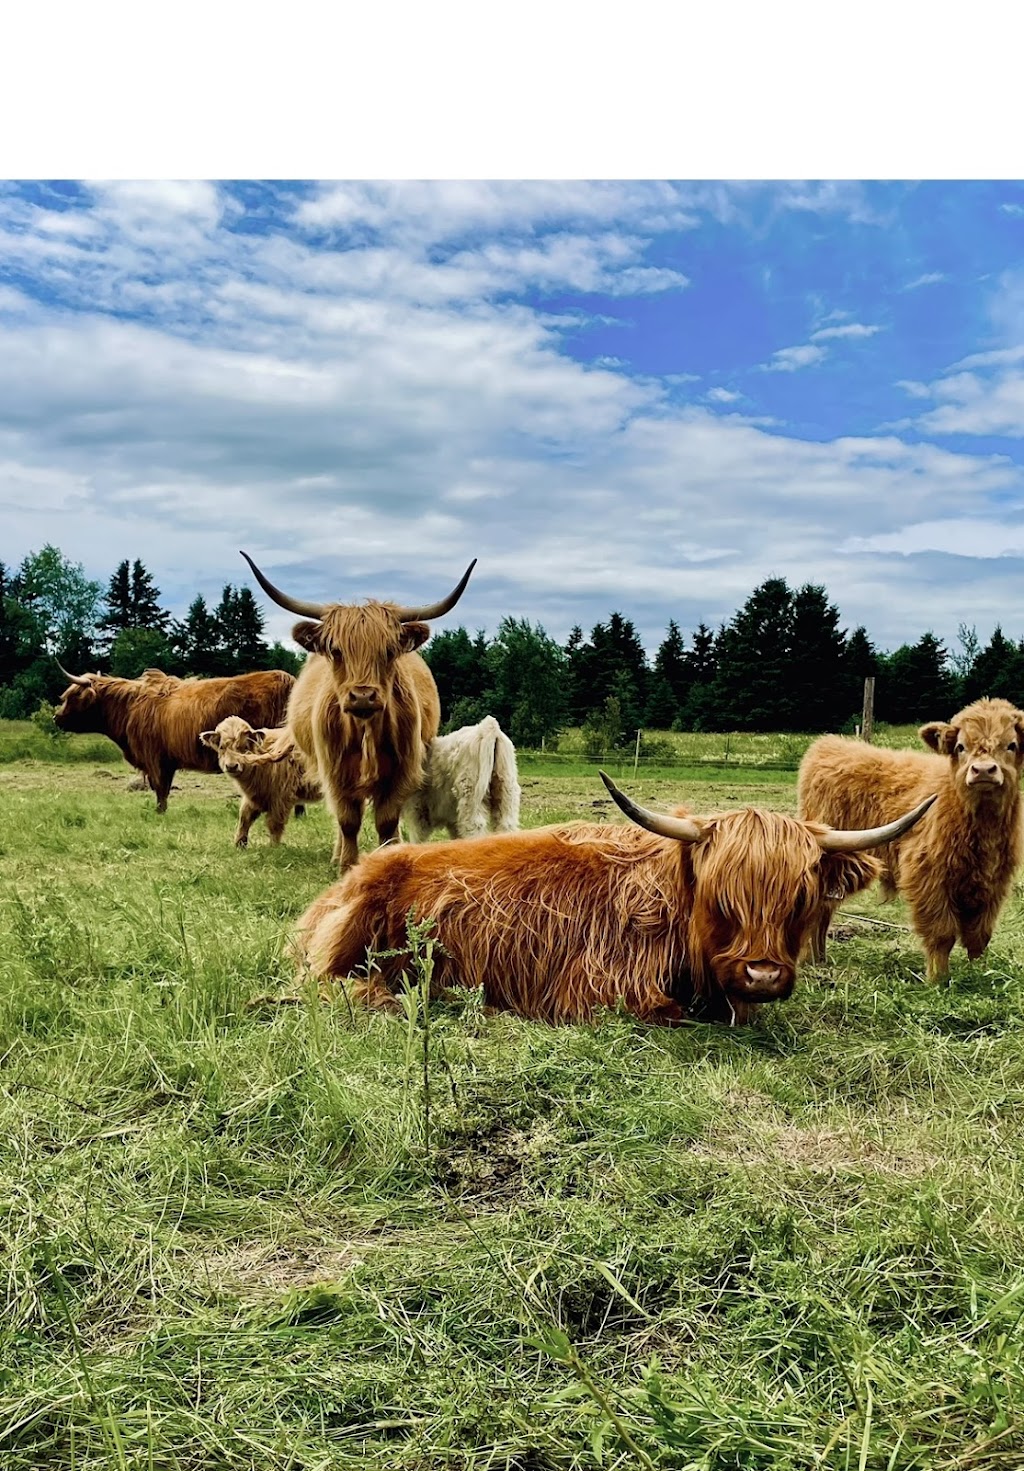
704,914
956,867
157,719
363,706
268,769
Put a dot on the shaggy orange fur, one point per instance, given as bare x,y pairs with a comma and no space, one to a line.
269,771
363,706
556,922
956,866
156,719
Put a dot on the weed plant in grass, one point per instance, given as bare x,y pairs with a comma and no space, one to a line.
229,1239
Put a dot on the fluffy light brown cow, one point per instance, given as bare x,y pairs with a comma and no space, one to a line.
702,915
156,720
956,867
363,706
268,769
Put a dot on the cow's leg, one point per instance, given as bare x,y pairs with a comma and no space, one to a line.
937,948
160,780
277,821
976,934
247,815
346,845
817,936
385,820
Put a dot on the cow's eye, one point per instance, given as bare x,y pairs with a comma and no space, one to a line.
959,748
1012,746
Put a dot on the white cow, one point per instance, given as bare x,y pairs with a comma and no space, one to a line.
470,785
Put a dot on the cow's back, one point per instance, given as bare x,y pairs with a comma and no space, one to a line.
168,717
847,783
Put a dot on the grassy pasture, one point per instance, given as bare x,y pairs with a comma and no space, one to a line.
231,1238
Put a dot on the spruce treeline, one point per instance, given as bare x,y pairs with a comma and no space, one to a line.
781,663
49,607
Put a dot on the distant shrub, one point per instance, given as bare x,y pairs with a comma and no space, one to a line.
43,721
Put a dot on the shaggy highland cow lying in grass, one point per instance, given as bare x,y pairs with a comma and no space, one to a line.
705,914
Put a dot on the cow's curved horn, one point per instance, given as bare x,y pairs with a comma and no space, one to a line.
435,610
304,610
836,841
683,829
71,678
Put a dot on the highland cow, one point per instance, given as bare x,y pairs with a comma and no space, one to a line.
363,706
703,915
470,785
269,771
955,868
156,720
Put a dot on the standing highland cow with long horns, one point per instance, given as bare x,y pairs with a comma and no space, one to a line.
956,867
363,705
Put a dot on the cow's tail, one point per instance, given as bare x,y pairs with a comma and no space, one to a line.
503,792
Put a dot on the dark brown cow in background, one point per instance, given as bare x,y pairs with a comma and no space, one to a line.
364,705
705,912
157,719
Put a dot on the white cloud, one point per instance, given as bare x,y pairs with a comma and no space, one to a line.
848,329
722,396
789,359
930,278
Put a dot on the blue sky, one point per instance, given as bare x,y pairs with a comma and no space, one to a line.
643,396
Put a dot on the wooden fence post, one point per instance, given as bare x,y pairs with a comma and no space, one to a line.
636,753
867,723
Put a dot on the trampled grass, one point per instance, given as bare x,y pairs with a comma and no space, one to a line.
228,1239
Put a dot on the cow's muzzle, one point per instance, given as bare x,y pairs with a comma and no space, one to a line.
763,981
364,703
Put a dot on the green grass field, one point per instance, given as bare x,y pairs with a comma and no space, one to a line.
244,1236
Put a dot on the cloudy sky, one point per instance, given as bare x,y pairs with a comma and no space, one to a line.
635,396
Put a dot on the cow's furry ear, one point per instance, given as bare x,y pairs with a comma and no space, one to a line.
413,635
307,636
848,873
939,736
209,738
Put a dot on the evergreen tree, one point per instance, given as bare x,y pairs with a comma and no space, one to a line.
670,683
528,682
576,675
698,708
914,684
196,641
241,646
861,662
818,679
752,688
133,601
460,669
613,662
997,671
